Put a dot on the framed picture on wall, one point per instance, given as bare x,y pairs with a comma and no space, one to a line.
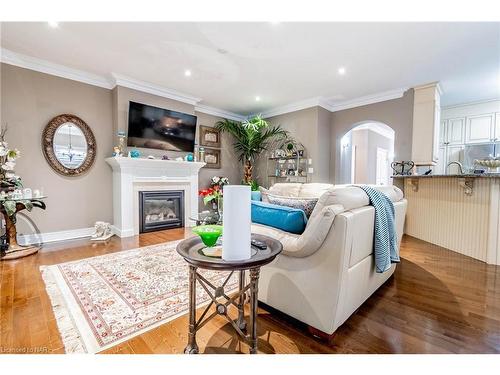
212,158
209,136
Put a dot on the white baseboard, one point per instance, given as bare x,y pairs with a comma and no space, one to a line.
55,236
122,233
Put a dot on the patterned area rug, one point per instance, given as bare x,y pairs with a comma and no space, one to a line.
102,301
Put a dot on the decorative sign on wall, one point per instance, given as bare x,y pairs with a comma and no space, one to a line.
209,136
212,158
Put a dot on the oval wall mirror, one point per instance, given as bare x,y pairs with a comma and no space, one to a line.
69,145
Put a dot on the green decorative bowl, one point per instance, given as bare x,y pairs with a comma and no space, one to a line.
209,233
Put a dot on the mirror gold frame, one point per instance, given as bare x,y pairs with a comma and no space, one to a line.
48,145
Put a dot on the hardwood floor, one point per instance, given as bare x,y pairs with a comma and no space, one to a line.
438,301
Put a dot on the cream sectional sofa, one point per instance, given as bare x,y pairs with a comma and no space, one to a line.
327,272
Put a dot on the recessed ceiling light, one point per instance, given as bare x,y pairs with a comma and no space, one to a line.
341,71
257,98
53,24
187,73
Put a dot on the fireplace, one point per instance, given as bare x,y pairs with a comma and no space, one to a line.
160,210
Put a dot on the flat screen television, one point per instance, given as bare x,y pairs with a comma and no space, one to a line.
152,127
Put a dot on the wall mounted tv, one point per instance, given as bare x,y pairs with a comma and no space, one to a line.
152,127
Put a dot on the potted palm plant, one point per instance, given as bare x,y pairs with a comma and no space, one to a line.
252,137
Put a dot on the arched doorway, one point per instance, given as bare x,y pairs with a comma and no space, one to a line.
366,154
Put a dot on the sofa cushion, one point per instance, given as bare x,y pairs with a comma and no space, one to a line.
288,219
304,204
300,246
352,197
314,190
263,194
286,189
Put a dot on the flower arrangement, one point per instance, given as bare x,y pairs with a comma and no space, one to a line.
219,181
211,194
8,156
214,192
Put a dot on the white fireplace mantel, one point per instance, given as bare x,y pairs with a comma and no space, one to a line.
131,175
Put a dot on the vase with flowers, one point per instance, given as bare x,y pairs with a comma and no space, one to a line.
213,194
9,181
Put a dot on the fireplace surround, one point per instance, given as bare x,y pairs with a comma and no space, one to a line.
132,176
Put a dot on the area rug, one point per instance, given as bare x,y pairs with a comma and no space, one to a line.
101,301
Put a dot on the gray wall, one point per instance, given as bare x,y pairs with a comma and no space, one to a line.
396,113
230,166
311,127
29,100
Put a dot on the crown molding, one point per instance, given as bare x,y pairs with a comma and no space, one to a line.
219,112
332,106
367,99
44,66
476,102
47,67
292,107
434,84
151,88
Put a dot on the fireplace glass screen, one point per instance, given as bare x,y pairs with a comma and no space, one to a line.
160,210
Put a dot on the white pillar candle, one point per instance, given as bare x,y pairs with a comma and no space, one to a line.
236,221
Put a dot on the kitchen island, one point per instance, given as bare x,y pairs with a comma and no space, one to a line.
459,212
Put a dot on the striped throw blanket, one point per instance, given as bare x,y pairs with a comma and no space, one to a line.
385,238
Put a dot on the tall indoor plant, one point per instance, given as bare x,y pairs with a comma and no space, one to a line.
252,137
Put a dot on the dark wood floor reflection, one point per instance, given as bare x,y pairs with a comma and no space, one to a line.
437,302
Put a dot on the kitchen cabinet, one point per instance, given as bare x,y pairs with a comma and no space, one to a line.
447,154
455,131
454,153
480,128
440,167
442,132
496,136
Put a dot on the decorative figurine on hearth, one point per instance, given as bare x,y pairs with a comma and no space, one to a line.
102,231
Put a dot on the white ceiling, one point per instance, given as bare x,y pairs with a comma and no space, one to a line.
232,63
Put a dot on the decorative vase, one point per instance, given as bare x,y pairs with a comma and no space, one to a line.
209,234
220,207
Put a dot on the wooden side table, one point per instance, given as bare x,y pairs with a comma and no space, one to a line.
191,250
15,250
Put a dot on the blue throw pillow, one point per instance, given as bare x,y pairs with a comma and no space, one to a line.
289,219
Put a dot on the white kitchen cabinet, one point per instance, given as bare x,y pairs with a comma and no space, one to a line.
442,132
480,128
447,154
441,160
496,136
454,153
455,133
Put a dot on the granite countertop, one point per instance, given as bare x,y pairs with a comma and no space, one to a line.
468,175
